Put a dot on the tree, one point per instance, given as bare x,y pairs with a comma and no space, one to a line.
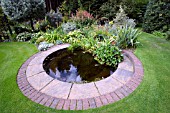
22,10
4,25
157,16
52,4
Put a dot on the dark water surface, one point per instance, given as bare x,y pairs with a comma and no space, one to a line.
77,66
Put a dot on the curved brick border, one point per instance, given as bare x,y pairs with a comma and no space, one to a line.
120,88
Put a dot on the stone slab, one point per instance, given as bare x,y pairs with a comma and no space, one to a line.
34,69
57,89
82,91
126,64
40,80
107,85
37,60
122,75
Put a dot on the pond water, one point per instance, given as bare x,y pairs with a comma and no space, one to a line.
75,67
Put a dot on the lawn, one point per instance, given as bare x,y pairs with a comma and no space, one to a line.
152,95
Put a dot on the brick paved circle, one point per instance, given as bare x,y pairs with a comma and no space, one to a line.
38,86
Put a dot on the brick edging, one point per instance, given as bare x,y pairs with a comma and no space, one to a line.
80,104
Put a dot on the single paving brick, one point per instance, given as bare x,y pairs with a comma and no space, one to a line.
123,91
104,100
60,104
109,98
119,94
92,103
128,90
54,103
49,101
73,104
44,100
98,101
85,104
114,96
31,96
38,100
79,105
66,105
36,96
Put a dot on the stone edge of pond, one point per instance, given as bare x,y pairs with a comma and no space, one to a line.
64,103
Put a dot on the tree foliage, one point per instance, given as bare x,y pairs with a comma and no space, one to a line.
157,16
20,10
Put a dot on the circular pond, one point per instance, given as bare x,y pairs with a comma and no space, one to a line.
76,67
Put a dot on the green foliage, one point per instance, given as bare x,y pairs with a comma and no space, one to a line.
96,42
122,19
52,36
69,26
168,35
21,27
25,36
159,34
44,46
127,37
133,8
68,7
74,38
23,9
83,18
109,9
108,55
157,16
42,25
120,16
37,38
54,18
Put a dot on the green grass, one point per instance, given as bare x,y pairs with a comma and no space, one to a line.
152,96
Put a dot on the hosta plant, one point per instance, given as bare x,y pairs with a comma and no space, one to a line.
107,54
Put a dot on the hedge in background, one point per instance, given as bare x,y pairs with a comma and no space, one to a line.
20,10
157,16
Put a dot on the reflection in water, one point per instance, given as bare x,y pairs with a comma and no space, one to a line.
70,75
75,67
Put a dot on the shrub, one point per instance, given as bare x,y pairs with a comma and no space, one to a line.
157,16
133,8
168,35
44,46
25,36
20,10
122,19
72,37
83,18
42,25
159,34
108,55
69,26
35,38
54,18
127,37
